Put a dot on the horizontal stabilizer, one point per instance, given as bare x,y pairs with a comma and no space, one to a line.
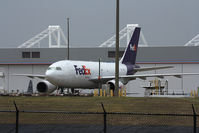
152,68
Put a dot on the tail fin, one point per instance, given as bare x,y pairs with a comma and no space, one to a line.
129,56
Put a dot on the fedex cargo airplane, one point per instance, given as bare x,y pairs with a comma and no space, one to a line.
85,74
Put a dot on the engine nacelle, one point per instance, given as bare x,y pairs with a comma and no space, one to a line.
45,87
112,84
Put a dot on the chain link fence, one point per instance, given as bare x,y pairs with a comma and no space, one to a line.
23,121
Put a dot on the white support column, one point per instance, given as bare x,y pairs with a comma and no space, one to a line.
143,39
54,35
125,32
194,41
50,38
58,38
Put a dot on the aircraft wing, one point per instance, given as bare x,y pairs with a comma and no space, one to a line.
31,75
140,76
152,68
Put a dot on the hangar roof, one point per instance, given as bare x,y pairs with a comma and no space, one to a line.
146,55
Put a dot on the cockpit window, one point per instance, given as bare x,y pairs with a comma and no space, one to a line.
58,68
54,68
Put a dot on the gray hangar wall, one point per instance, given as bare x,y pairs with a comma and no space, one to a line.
37,60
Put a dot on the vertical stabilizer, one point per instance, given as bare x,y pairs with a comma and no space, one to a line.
129,56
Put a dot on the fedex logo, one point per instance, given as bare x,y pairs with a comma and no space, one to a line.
82,71
133,47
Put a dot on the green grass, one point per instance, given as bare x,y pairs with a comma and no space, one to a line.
93,104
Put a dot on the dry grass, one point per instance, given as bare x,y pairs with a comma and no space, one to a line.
93,104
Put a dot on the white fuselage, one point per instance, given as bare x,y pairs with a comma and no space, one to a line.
77,74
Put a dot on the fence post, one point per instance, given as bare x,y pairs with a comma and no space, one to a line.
194,119
17,118
104,117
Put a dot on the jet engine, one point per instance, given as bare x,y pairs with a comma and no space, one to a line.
112,84
45,87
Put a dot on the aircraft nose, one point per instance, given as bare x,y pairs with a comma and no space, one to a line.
49,75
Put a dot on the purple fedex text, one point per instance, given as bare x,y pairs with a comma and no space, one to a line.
82,71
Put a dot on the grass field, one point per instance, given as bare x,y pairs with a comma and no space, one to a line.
93,104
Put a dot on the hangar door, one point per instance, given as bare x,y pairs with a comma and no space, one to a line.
2,80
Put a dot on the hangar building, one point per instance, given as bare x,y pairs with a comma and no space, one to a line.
185,59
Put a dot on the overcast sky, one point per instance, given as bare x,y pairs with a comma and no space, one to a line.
163,22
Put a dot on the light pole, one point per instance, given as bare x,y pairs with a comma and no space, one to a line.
68,36
68,57
99,76
117,50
